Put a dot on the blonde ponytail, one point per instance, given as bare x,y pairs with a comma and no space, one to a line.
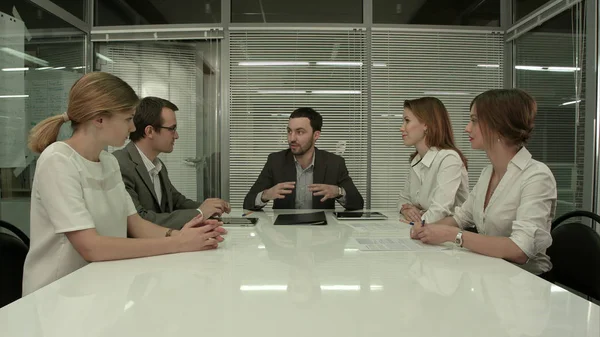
45,133
93,95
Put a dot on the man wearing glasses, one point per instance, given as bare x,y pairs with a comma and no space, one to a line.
145,176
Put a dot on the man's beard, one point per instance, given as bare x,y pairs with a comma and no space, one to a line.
299,151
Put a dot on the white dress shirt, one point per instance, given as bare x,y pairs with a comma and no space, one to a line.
436,184
521,208
153,168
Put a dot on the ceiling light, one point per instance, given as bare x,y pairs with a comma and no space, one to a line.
24,56
272,63
14,96
339,63
290,92
105,58
552,69
564,69
529,68
337,92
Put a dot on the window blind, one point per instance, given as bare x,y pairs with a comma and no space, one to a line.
452,66
274,72
166,70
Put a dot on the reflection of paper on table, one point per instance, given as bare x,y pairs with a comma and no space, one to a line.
372,227
398,244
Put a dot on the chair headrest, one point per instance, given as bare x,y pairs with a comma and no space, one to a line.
11,245
16,231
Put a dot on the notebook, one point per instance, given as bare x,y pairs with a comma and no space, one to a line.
316,218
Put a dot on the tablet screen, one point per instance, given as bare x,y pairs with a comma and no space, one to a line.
239,221
362,215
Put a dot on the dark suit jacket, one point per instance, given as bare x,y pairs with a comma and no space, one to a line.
173,211
329,169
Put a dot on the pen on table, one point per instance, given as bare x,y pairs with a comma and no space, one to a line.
245,214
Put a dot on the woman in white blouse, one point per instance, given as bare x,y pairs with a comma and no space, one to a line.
437,181
513,203
80,210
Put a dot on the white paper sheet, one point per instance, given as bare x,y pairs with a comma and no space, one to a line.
376,227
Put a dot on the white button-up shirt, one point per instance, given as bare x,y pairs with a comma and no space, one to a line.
436,184
153,170
521,208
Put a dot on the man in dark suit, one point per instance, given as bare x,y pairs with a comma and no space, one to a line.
145,175
304,176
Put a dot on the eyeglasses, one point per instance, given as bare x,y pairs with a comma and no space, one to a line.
170,128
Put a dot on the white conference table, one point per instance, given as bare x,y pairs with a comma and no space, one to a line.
302,281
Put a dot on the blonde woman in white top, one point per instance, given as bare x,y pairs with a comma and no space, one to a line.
514,201
80,210
438,180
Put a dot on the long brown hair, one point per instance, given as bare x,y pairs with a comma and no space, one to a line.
506,113
432,112
94,94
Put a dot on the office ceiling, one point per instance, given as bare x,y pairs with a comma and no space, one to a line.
426,12
478,12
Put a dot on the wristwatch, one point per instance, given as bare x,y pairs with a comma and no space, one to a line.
458,240
341,193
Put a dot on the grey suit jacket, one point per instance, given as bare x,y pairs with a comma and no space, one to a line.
174,213
329,169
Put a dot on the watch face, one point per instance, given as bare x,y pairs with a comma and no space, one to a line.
458,239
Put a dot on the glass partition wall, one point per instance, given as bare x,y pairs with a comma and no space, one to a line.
41,56
236,69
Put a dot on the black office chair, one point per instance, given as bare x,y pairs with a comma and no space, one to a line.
13,249
575,255
574,214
